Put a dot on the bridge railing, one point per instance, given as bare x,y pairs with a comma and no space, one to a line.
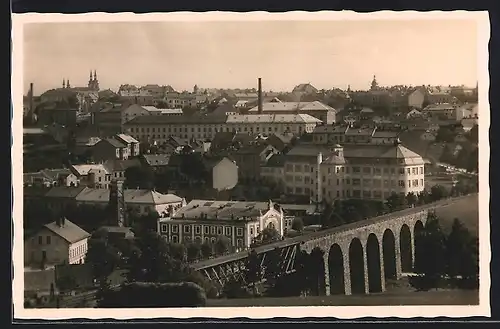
319,234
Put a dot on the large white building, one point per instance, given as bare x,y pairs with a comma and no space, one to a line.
159,128
316,109
355,171
206,220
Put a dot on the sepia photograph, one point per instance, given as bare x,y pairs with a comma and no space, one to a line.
251,164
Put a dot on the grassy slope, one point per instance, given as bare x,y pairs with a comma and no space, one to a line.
444,297
467,210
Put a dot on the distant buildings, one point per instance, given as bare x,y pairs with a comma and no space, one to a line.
315,109
152,128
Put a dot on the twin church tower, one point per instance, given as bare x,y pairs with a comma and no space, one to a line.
92,85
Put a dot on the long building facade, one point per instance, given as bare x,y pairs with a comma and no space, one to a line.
331,172
159,128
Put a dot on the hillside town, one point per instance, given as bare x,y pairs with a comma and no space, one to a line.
210,174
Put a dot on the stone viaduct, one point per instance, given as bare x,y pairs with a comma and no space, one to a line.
358,258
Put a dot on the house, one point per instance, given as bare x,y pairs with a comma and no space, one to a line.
316,109
469,123
144,201
92,175
60,198
56,243
279,141
304,89
273,169
429,136
416,98
386,137
204,221
50,177
157,162
224,173
414,114
117,168
250,158
110,149
131,143
110,117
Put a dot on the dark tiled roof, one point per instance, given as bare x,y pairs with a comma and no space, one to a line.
64,192
177,119
114,142
157,159
121,165
69,231
277,161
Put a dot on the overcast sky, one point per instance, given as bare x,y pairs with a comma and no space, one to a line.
235,54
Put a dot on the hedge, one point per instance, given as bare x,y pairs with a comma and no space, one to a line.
154,295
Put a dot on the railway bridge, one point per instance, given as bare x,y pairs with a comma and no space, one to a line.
358,257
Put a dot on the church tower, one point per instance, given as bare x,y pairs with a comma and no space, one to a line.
93,82
374,85
64,83
67,84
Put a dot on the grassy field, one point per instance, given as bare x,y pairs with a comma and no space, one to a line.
466,209
439,297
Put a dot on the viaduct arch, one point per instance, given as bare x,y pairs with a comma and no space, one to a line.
361,260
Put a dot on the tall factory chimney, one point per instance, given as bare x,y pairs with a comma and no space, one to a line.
31,98
260,96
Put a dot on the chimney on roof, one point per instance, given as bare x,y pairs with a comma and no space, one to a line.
260,96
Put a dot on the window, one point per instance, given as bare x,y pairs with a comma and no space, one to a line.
401,183
187,228
408,171
40,240
356,170
197,229
239,242
377,171
48,239
220,230
212,240
164,228
239,231
401,171
421,170
367,170
228,230
175,238
393,171
356,181
251,230
175,228
206,229
212,230
207,239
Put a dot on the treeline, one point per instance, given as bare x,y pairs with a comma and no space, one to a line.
342,212
445,260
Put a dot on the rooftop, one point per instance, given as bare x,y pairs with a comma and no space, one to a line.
292,106
83,169
69,231
130,195
127,139
222,210
272,118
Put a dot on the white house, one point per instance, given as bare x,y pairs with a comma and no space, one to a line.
416,99
59,242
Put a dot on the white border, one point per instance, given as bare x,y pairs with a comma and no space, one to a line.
341,312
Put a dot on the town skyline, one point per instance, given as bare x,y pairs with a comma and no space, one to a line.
183,54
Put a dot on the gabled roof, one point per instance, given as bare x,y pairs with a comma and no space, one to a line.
126,139
83,169
276,161
64,191
130,196
113,142
156,159
121,165
69,231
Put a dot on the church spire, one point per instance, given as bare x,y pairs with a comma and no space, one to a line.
95,75
64,83
374,83
67,84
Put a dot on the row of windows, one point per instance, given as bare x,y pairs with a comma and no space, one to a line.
338,194
355,169
198,239
80,250
207,129
355,181
207,229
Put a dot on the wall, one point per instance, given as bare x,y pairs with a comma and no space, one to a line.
57,251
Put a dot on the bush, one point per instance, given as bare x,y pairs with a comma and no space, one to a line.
235,289
425,282
152,295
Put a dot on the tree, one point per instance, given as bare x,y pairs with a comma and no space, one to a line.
316,267
272,266
268,235
193,251
423,197
473,134
103,258
396,201
207,250
411,199
445,134
438,192
253,270
298,224
177,251
430,252
139,177
222,245
461,252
